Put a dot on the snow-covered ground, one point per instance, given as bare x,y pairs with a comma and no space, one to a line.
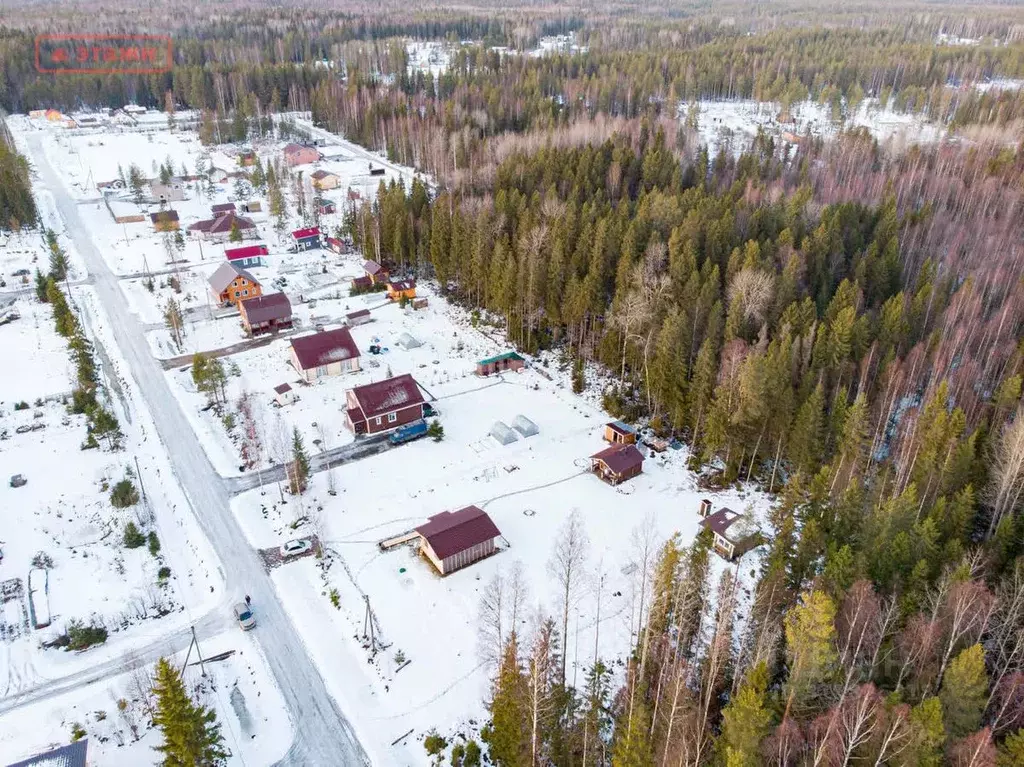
113,714
736,123
428,56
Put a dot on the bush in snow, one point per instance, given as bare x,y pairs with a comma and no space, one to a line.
434,744
77,732
21,405
133,538
124,494
164,573
154,543
435,431
80,637
42,561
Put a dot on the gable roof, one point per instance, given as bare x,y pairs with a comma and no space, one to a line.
226,274
402,285
312,231
223,207
71,755
295,148
269,306
620,427
283,388
322,174
163,216
372,267
620,458
388,395
321,349
500,357
450,532
729,524
246,251
222,224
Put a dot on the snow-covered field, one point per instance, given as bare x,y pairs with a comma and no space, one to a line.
736,123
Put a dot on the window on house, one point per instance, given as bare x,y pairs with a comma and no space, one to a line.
236,294
392,417
245,292
378,420
321,371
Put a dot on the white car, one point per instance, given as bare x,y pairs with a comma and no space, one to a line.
244,616
296,547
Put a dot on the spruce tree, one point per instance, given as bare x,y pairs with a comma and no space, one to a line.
191,734
509,736
299,473
746,721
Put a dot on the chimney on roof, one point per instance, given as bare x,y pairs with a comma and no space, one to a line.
705,508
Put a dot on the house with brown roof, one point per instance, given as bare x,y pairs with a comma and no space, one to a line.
401,289
324,354
267,313
384,405
222,209
617,463
455,539
165,220
734,534
218,228
361,284
299,154
232,284
375,272
358,317
324,180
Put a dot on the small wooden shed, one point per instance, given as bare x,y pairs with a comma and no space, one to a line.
735,534
284,394
500,363
619,433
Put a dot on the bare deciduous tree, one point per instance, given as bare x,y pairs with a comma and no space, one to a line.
566,566
1007,471
754,289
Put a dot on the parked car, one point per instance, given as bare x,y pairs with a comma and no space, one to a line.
18,480
244,616
296,547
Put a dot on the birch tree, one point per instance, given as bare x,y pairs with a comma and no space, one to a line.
567,566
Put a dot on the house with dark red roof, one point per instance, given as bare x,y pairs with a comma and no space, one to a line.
376,272
401,289
218,228
222,209
324,354
617,463
384,405
306,239
165,220
734,534
247,255
268,313
454,539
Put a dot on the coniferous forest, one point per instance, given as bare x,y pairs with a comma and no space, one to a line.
839,321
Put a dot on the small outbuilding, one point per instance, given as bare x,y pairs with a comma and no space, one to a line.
361,284
619,433
253,206
500,363
617,463
735,534
266,313
360,317
501,432
284,394
525,426
455,539
407,342
223,209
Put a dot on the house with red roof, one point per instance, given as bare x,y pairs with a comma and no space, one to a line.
306,239
384,405
324,354
218,228
617,463
375,272
452,540
247,255
300,154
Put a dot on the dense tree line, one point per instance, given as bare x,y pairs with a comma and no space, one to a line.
17,205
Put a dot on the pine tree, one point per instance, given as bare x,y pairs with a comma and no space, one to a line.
1011,753
927,735
236,233
174,321
746,721
299,473
191,734
632,746
964,692
810,643
805,441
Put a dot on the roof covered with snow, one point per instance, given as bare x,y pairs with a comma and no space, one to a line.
222,224
321,349
388,395
71,755
731,525
451,532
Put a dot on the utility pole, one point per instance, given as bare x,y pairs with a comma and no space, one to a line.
138,473
368,624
